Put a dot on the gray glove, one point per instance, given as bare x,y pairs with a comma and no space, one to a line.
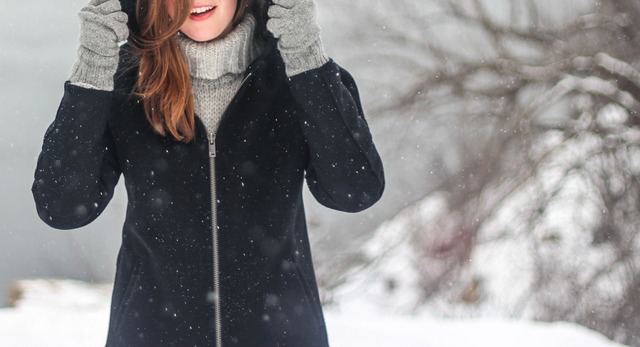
293,23
103,26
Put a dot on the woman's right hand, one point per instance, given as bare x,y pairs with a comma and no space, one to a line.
103,26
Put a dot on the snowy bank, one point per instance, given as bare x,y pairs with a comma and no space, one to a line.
75,314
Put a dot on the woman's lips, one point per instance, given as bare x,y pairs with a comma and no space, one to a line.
203,15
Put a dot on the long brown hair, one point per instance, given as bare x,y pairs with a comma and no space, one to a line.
163,80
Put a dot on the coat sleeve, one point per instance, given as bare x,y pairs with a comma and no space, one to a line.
77,168
344,171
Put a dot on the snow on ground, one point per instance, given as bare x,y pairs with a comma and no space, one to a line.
410,332
75,314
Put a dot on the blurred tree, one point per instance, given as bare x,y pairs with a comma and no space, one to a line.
540,100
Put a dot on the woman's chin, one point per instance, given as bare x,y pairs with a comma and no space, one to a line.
206,37
201,37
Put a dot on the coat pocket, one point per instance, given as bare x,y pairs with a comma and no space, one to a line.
130,285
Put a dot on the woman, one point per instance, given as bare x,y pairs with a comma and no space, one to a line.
214,112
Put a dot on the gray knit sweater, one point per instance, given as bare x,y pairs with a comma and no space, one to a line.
217,69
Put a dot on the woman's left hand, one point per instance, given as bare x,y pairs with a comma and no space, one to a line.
293,23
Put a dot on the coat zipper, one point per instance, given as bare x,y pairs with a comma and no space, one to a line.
214,232
214,229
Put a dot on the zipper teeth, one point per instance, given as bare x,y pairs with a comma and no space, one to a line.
214,232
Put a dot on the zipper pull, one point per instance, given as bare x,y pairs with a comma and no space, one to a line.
246,78
212,145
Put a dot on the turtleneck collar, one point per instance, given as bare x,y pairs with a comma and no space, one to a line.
231,54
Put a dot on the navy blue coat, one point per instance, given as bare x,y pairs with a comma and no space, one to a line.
276,133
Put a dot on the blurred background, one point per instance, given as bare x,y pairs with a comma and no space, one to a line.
510,135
